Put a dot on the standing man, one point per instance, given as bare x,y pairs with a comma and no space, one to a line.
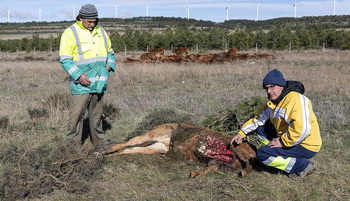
87,56
287,128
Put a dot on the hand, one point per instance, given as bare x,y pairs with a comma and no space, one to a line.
84,80
109,68
238,139
275,142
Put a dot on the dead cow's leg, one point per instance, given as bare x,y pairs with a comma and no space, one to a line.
211,168
246,154
156,148
160,133
132,142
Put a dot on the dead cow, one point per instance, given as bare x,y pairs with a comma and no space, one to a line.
181,51
161,51
191,144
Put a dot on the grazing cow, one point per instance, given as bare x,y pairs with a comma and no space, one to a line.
180,51
232,51
191,144
161,51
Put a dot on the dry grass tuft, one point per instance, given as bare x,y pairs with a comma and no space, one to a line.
4,122
37,113
30,172
110,111
58,101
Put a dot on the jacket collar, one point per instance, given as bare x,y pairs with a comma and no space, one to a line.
290,86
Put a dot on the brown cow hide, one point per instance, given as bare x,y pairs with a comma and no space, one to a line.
181,51
190,143
161,51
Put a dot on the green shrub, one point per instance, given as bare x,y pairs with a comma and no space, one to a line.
232,119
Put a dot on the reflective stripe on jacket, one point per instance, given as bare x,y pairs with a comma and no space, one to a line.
293,119
82,51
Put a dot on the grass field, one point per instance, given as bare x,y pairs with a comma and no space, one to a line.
34,164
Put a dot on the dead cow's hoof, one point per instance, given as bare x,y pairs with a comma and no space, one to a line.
193,174
98,154
243,173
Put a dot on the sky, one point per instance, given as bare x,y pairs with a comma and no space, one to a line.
208,10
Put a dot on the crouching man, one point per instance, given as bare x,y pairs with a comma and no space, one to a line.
287,128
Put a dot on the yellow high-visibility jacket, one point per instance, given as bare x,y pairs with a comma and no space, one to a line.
293,119
82,51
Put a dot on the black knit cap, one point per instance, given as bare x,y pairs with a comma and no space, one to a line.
88,11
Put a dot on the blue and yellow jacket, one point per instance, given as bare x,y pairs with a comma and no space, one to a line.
293,119
82,51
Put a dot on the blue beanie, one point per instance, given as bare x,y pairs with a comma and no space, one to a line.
274,77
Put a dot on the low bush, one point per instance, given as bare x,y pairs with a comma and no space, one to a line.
232,119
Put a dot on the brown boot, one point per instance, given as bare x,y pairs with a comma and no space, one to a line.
301,176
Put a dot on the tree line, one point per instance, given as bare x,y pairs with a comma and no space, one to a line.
279,37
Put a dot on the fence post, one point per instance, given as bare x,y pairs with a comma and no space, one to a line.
324,48
290,47
125,50
197,48
256,47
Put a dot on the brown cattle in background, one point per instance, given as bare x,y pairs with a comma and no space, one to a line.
181,51
149,56
161,51
191,144
232,51
181,56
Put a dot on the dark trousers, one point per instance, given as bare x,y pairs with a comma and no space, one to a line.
82,106
291,160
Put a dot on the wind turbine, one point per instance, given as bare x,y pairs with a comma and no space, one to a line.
149,2
334,7
116,11
257,11
295,9
147,10
39,14
188,10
